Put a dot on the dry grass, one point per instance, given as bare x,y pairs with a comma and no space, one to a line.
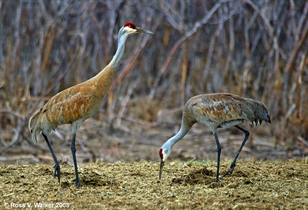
260,185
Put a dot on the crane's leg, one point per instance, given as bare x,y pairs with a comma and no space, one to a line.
56,172
229,172
218,156
73,149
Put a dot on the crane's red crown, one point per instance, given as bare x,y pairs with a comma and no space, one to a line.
130,24
161,153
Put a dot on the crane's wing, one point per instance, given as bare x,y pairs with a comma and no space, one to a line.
71,105
223,109
217,108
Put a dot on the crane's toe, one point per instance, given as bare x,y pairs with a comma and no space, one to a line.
77,182
56,172
229,172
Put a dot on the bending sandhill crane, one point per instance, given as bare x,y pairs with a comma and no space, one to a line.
218,110
75,104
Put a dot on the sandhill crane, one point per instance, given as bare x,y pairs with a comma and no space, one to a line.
77,103
217,110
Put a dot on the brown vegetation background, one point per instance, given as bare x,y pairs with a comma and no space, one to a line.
253,48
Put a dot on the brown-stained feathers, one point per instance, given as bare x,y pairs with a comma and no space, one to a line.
75,103
224,109
37,122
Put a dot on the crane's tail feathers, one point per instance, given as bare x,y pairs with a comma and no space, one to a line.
34,125
260,112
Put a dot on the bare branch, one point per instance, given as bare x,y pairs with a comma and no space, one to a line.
264,18
180,41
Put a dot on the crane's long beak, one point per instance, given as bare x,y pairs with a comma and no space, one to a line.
161,168
141,30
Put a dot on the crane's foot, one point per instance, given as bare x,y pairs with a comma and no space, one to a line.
56,172
229,172
77,182
232,166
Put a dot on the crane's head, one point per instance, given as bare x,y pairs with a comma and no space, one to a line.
164,154
130,28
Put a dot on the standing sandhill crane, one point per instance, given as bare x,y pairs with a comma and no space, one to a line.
217,110
75,104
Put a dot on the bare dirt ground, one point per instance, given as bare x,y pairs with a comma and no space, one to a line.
135,185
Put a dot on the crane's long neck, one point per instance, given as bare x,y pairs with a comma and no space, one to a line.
104,78
115,62
185,127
